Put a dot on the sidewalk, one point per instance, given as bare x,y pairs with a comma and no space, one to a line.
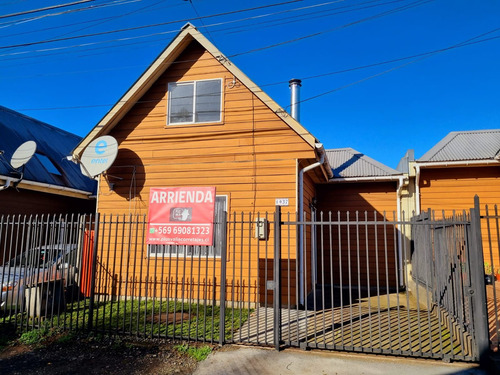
257,361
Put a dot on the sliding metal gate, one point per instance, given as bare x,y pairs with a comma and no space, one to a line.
368,283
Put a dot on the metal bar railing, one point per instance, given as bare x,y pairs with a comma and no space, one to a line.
353,294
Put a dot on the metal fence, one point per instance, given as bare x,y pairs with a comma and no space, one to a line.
41,271
491,245
345,281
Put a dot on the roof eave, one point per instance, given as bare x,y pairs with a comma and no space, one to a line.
158,67
367,179
456,163
137,90
48,188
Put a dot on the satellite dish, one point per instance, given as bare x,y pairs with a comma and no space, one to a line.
98,156
23,154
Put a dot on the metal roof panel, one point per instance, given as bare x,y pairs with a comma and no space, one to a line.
347,162
52,142
465,145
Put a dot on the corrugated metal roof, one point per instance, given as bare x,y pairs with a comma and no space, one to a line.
465,145
347,162
54,143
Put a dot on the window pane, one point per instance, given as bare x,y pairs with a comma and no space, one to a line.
181,103
208,99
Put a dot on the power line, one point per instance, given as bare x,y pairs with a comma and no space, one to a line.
46,8
216,24
395,10
144,26
92,7
313,15
462,44
416,57
420,58
200,18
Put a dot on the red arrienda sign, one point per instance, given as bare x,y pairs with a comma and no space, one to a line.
181,216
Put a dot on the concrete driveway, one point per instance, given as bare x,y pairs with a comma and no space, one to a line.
238,360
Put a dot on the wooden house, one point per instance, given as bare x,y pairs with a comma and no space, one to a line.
448,176
194,119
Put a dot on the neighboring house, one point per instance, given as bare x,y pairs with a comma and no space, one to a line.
364,189
47,184
463,164
194,119
50,183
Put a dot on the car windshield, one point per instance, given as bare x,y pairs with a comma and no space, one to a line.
40,257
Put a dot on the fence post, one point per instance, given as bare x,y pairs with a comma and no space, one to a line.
93,273
222,313
277,277
478,290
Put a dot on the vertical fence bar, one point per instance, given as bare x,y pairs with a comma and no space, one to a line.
495,301
341,289
93,273
368,284
223,281
478,291
277,277
358,270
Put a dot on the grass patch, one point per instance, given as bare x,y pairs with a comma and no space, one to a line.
37,336
199,354
144,318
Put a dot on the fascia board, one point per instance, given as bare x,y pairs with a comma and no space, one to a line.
158,67
136,91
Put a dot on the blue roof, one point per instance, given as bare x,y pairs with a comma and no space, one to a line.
53,143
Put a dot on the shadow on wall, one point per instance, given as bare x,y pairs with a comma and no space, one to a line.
126,176
357,245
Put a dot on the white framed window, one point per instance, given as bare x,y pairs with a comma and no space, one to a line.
195,102
186,251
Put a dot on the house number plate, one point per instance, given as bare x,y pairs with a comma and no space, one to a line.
281,202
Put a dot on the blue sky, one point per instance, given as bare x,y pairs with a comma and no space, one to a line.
382,110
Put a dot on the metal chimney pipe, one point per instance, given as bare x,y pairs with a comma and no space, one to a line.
295,85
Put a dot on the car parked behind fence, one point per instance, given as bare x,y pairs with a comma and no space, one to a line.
37,279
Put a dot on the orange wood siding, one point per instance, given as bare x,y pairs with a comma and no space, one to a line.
364,250
452,189
250,156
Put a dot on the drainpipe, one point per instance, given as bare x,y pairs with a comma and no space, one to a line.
295,85
417,189
400,235
300,208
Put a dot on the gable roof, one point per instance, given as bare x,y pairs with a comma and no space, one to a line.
465,145
348,163
187,34
51,142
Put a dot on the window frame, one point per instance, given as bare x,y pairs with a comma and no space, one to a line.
193,119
